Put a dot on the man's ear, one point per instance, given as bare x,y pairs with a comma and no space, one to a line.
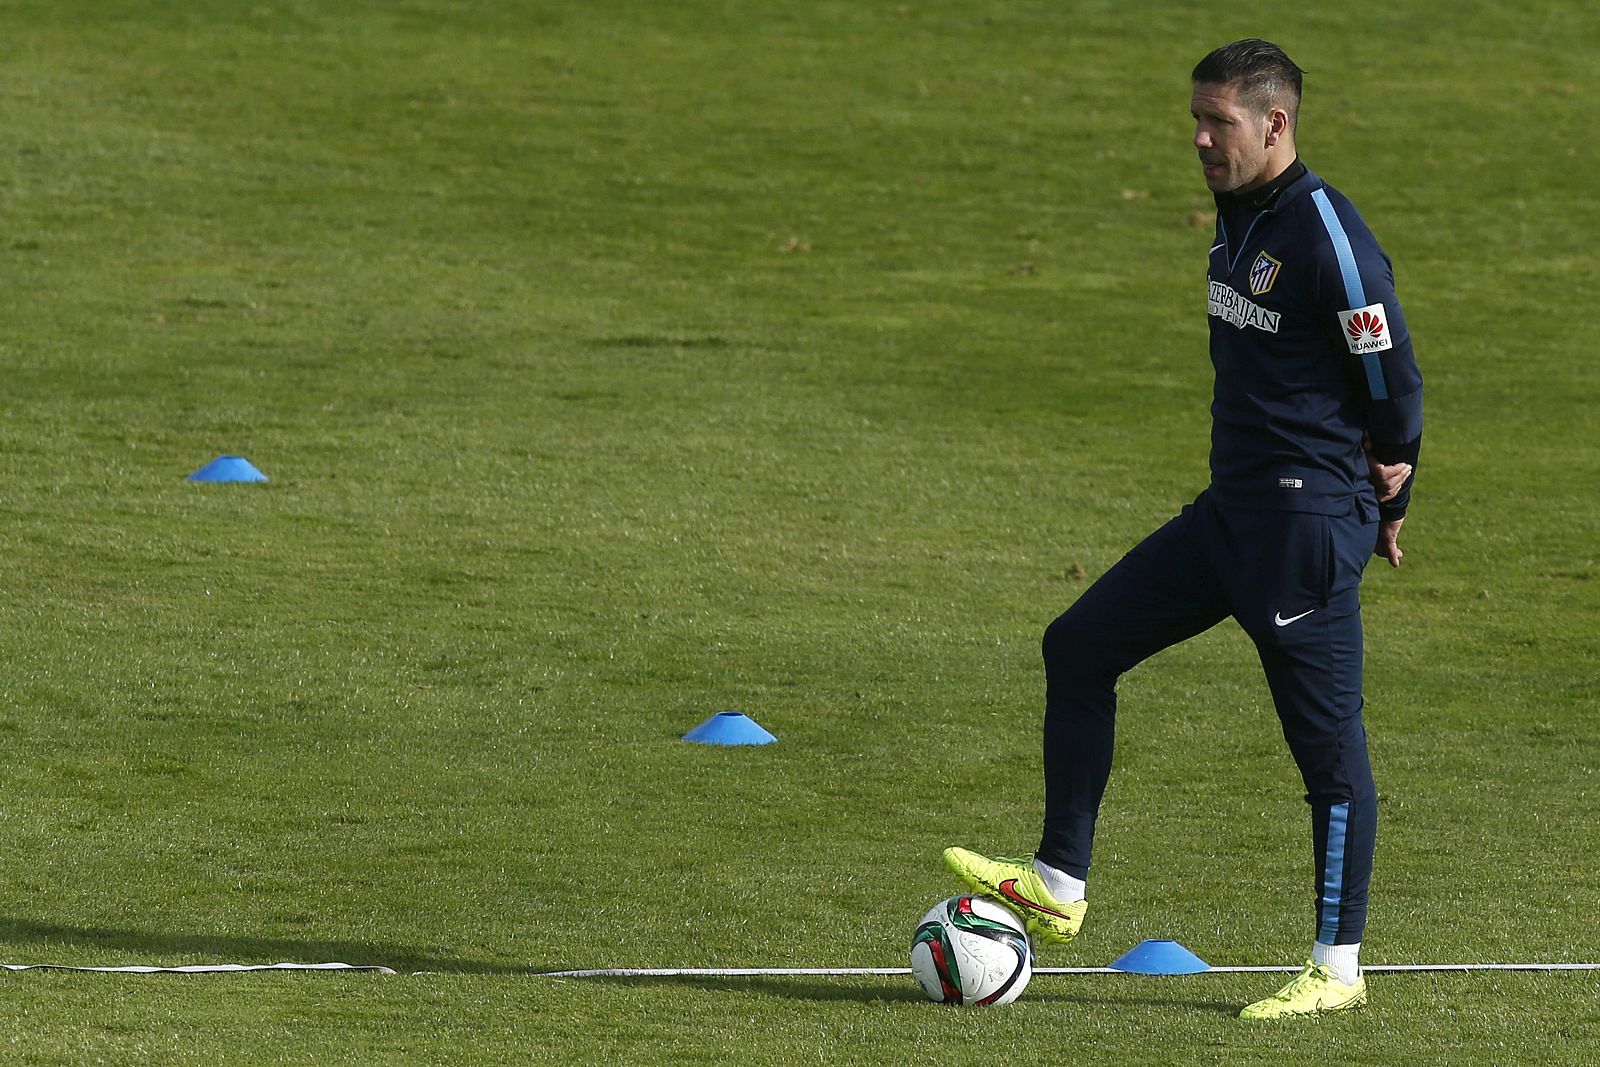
1277,125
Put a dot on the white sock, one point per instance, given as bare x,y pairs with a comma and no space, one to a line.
1344,959
1062,885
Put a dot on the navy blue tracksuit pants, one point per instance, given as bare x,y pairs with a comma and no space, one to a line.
1292,580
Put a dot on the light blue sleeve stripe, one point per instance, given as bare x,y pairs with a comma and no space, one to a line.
1353,290
1333,878
1375,383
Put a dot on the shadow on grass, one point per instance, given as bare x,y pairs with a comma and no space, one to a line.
168,949
789,987
1197,1005
889,989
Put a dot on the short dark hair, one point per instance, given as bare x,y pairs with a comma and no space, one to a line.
1262,72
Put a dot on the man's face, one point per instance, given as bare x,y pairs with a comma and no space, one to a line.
1230,137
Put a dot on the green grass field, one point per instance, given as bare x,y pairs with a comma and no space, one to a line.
618,363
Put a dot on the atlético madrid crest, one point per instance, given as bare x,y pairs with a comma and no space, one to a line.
1263,272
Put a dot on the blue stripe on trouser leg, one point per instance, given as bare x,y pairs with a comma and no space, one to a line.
1289,564
1333,874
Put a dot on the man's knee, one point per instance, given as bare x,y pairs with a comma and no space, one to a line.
1334,764
1073,648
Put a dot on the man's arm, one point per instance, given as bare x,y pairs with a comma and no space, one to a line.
1388,545
1395,429
1360,289
1388,479
1394,402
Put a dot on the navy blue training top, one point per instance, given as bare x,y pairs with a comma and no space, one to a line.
1311,353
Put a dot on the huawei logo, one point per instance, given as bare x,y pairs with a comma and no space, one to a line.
1366,330
1364,325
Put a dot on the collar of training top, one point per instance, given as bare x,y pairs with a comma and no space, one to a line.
1265,197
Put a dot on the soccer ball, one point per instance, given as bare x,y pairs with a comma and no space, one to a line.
968,950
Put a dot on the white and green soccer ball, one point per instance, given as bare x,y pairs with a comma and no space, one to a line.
971,951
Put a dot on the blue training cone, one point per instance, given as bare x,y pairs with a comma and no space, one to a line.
1159,957
729,728
228,469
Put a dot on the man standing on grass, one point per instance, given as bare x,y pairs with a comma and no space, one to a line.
1316,426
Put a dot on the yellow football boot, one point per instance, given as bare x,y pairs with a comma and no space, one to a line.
1016,884
1314,991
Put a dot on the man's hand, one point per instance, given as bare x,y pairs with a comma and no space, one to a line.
1386,478
1388,541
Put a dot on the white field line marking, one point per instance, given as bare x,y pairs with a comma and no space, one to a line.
752,972
202,968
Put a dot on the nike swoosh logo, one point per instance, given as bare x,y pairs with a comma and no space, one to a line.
1214,248
1279,620
1008,889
